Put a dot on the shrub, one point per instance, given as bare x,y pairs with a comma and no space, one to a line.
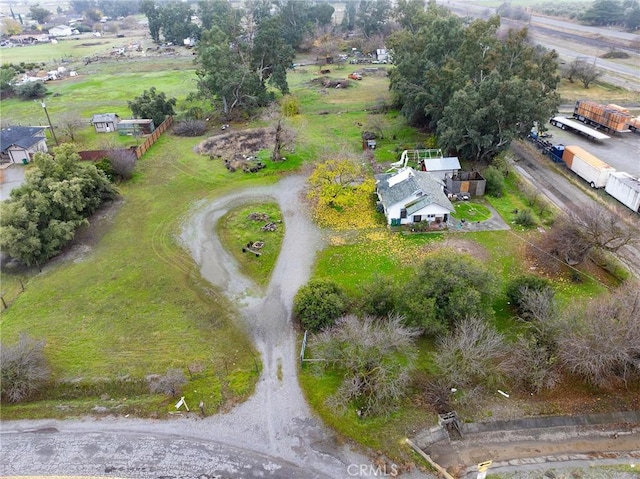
374,357
600,341
169,384
318,304
190,128
290,105
495,181
30,90
470,356
532,363
378,298
104,165
525,218
123,163
518,288
24,368
447,288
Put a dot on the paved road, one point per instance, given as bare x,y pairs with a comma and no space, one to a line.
567,196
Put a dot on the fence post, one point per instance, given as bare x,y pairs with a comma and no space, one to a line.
303,347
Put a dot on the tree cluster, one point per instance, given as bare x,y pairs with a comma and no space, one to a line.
57,197
477,91
109,8
613,12
237,62
445,289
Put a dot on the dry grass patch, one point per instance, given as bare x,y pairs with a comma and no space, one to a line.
235,145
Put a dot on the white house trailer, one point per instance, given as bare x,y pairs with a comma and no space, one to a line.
411,196
624,188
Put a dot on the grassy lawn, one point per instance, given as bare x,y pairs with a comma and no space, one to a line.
236,229
135,304
471,211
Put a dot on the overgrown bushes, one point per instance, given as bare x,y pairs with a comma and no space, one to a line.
190,128
24,367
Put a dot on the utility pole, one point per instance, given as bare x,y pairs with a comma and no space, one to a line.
53,133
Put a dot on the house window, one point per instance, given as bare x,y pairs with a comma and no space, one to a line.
417,218
403,213
430,218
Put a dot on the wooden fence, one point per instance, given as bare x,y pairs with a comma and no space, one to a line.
135,152
142,149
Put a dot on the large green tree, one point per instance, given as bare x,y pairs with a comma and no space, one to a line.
39,14
604,12
373,15
221,14
42,214
446,289
154,18
234,71
176,25
477,91
153,105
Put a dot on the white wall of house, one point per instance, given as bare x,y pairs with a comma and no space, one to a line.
428,213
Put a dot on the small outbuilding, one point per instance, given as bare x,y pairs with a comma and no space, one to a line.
440,167
469,183
105,122
19,143
136,126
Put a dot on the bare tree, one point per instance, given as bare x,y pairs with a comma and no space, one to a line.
584,70
470,356
24,368
376,358
601,341
575,235
123,163
69,124
532,363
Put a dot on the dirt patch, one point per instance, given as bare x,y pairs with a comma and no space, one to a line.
237,145
326,82
460,246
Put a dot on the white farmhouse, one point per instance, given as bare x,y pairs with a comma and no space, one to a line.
61,31
411,196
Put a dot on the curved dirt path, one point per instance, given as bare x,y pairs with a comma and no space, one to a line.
273,434
276,418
